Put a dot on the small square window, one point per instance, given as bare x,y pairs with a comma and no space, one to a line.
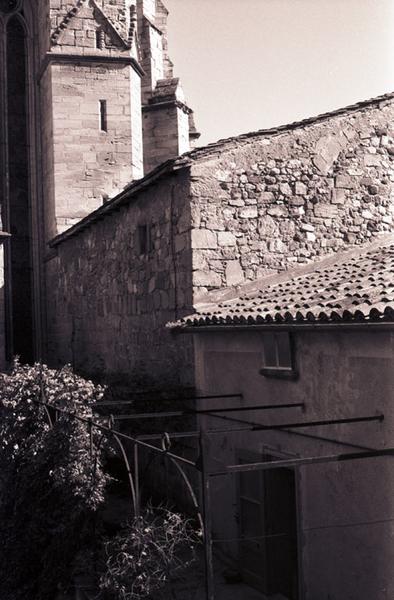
278,355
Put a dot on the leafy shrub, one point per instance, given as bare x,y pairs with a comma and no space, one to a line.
50,485
147,555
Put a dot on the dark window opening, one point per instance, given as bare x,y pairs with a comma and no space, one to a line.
278,355
100,40
145,239
103,115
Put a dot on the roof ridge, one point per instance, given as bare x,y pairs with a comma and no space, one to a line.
271,131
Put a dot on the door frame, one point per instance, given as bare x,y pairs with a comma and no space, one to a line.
254,455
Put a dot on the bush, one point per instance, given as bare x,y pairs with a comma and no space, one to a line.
50,487
147,555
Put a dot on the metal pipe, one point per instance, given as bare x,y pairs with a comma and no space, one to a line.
281,426
118,433
137,480
187,412
319,423
250,408
129,475
125,402
299,462
207,518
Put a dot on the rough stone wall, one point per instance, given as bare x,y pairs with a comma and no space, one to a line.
91,165
109,303
267,203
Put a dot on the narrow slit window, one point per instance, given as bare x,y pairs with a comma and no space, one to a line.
145,239
100,39
103,115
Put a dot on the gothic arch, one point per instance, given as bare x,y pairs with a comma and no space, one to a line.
19,179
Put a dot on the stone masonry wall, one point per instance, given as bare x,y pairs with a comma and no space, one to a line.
165,133
266,203
108,303
91,165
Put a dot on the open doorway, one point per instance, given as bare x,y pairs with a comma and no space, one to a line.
268,550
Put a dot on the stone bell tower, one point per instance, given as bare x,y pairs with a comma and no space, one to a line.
88,104
112,108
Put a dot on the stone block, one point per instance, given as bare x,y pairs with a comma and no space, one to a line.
267,226
278,210
345,182
285,189
207,279
321,165
248,213
277,246
234,273
300,189
226,238
267,197
338,196
296,201
311,237
204,238
325,210
307,227
372,160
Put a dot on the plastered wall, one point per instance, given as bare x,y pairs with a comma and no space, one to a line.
345,510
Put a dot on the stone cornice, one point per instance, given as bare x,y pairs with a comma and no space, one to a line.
63,58
167,104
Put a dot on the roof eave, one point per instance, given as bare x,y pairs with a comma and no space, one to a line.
353,326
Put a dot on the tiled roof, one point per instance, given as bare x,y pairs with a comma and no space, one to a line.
357,288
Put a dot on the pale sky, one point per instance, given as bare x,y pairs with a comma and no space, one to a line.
251,64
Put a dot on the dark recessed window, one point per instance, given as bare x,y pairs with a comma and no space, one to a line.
103,115
278,355
145,239
100,39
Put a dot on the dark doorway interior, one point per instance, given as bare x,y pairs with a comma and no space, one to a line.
268,518
19,262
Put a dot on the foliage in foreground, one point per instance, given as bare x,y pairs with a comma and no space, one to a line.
151,552
49,488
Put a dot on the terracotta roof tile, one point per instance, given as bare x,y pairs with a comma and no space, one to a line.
358,288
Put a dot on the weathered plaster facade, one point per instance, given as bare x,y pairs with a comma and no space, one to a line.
341,374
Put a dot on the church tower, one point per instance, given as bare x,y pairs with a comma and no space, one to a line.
88,104
112,108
